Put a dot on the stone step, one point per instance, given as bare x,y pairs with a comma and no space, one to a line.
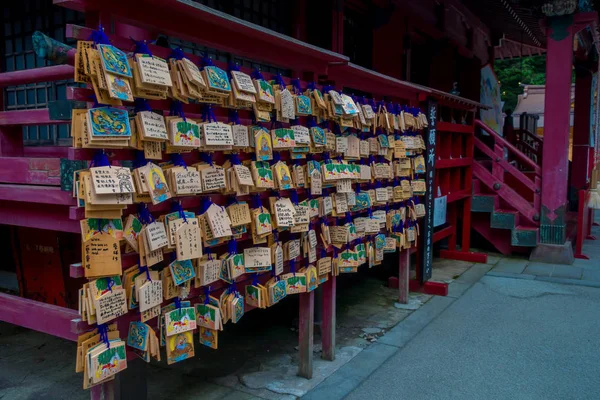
484,203
525,236
504,219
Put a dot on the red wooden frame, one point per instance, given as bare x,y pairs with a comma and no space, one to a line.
585,220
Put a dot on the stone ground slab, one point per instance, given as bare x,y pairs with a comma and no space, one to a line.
503,339
511,265
539,269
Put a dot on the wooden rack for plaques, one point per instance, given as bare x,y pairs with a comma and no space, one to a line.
30,191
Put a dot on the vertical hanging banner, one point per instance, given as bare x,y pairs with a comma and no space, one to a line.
430,133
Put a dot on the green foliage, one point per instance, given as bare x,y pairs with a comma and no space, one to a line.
526,70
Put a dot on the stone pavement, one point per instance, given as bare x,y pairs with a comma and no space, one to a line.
507,330
582,272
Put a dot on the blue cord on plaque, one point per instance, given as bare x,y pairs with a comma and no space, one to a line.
176,109
141,47
178,160
103,332
206,294
177,54
98,36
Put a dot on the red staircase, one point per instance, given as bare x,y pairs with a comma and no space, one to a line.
506,194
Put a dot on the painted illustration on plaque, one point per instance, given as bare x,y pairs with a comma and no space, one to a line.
158,184
114,60
264,147
265,91
217,78
303,105
110,361
180,347
208,337
186,134
109,121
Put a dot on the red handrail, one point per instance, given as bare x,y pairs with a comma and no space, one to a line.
522,158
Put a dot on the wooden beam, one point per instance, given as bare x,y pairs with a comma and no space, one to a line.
36,194
42,317
32,171
35,75
28,117
51,216
329,318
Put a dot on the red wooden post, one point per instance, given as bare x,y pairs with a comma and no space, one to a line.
403,276
328,315
305,333
581,130
556,131
337,27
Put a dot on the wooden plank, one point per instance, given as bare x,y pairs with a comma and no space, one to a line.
500,140
200,24
36,194
35,75
469,256
42,317
500,162
46,151
32,171
444,233
28,117
507,194
305,334
454,128
403,276
453,163
50,216
329,319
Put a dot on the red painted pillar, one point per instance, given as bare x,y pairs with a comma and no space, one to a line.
557,109
581,132
337,27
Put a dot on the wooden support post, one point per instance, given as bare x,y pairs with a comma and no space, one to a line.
581,132
403,275
307,314
557,108
328,314
337,27
104,391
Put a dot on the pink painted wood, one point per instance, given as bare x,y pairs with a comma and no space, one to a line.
33,171
329,318
497,169
36,194
403,276
42,317
502,165
195,22
559,70
305,334
28,117
506,193
51,216
35,75
46,151
502,142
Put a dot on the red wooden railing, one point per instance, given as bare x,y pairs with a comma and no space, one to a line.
521,191
529,144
